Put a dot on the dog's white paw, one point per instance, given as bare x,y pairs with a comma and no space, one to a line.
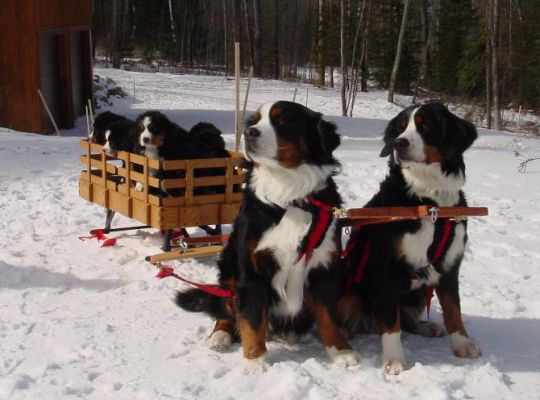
463,346
395,367
256,365
219,340
343,358
139,187
430,329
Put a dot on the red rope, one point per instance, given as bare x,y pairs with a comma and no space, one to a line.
165,271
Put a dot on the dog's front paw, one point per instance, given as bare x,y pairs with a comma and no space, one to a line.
463,346
343,358
219,340
256,365
395,367
139,187
430,329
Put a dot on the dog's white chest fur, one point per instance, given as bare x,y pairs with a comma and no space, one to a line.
283,240
415,247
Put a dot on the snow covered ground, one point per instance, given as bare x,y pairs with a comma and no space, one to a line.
80,321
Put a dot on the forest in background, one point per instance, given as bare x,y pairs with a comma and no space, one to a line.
484,53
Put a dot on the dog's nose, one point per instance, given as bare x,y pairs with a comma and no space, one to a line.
252,132
146,140
401,144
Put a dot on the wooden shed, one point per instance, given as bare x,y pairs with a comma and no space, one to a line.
46,45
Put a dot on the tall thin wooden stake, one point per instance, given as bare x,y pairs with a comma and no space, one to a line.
247,95
87,121
237,107
307,96
91,110
48,112
294,95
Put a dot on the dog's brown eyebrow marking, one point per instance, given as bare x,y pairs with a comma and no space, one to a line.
253,119
418,119
276,112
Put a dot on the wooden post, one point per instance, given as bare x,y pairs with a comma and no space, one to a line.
91,111
294,95
246,96
237,107
307,96
49,112
87,122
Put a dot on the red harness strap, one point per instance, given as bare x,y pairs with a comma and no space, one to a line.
316,234
165,271
437,255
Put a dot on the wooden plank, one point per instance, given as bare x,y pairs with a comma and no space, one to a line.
97,162
414,212
189,183
205,251
229,175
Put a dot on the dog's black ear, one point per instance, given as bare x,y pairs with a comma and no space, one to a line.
391,132
460,133
327,136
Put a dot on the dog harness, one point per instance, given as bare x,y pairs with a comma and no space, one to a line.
444,228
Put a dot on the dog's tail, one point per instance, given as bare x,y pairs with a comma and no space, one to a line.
196,300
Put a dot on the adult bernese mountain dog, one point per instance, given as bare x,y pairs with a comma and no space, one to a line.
392,266
282,257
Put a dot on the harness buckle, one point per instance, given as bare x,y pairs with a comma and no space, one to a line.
434,211
339,212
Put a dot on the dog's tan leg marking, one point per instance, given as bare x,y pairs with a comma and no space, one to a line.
337,347
253,344
462,345
222,336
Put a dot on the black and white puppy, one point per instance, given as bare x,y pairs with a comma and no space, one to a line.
102,123
282,257
122,135
392,265
162,139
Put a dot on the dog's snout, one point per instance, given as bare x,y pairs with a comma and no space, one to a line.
146,140
401,144
252,132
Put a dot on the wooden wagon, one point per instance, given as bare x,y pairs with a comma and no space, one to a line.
203,200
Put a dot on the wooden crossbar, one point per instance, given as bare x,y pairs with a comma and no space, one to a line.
379,215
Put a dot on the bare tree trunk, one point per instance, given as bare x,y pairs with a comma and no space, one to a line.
364,56
344,73
248,32
320,56
488,62
422,73
276,40
399,50
173,31
116,35
225,39
353,70
495,64
257,40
